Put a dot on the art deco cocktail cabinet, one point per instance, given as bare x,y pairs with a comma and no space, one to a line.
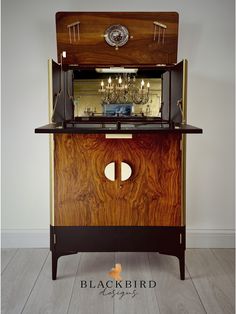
117,110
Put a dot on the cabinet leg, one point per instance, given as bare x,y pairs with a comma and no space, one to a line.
54,265
182,265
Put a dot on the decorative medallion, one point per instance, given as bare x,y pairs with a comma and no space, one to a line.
116,35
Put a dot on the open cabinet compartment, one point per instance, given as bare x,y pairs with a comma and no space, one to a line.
172,111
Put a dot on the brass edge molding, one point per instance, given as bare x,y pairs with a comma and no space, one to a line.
185,78
50,96
51,141
183,181
183,168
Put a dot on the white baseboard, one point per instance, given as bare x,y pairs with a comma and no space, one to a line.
210,238
196,238
25,238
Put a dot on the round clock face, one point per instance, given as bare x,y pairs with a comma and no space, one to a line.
116,35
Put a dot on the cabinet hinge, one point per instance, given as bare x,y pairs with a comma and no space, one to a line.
181,145
180,238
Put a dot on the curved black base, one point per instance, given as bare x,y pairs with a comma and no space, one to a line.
71,240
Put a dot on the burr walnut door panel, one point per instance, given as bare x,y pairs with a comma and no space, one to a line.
84,196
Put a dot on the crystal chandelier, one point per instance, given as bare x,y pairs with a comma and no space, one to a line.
124,90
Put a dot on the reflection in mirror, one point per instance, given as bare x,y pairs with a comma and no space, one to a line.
89,100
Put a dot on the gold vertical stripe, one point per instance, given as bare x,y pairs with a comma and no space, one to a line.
51,141
183,175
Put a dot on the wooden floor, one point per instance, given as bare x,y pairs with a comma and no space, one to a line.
27,286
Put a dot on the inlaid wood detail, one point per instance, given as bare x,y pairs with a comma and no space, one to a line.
89,46
85,197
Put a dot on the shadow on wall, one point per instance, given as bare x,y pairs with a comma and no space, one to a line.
187,32
210,157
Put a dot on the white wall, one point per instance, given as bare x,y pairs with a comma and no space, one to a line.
206,39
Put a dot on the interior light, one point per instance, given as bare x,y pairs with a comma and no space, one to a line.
116,70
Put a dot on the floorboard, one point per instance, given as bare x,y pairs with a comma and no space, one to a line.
53,296
94,267
6,257
174,295
227,259
135,266
27,286
19,278
211,281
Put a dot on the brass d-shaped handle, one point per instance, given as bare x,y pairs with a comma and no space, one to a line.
126,171
110,171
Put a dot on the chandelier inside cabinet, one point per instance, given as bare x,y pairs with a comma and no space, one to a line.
124,90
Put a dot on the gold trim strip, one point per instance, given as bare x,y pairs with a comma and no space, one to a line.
183,169
118,136
51,141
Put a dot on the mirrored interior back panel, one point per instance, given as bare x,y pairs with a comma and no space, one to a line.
116,94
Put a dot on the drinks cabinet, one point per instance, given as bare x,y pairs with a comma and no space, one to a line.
118,126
